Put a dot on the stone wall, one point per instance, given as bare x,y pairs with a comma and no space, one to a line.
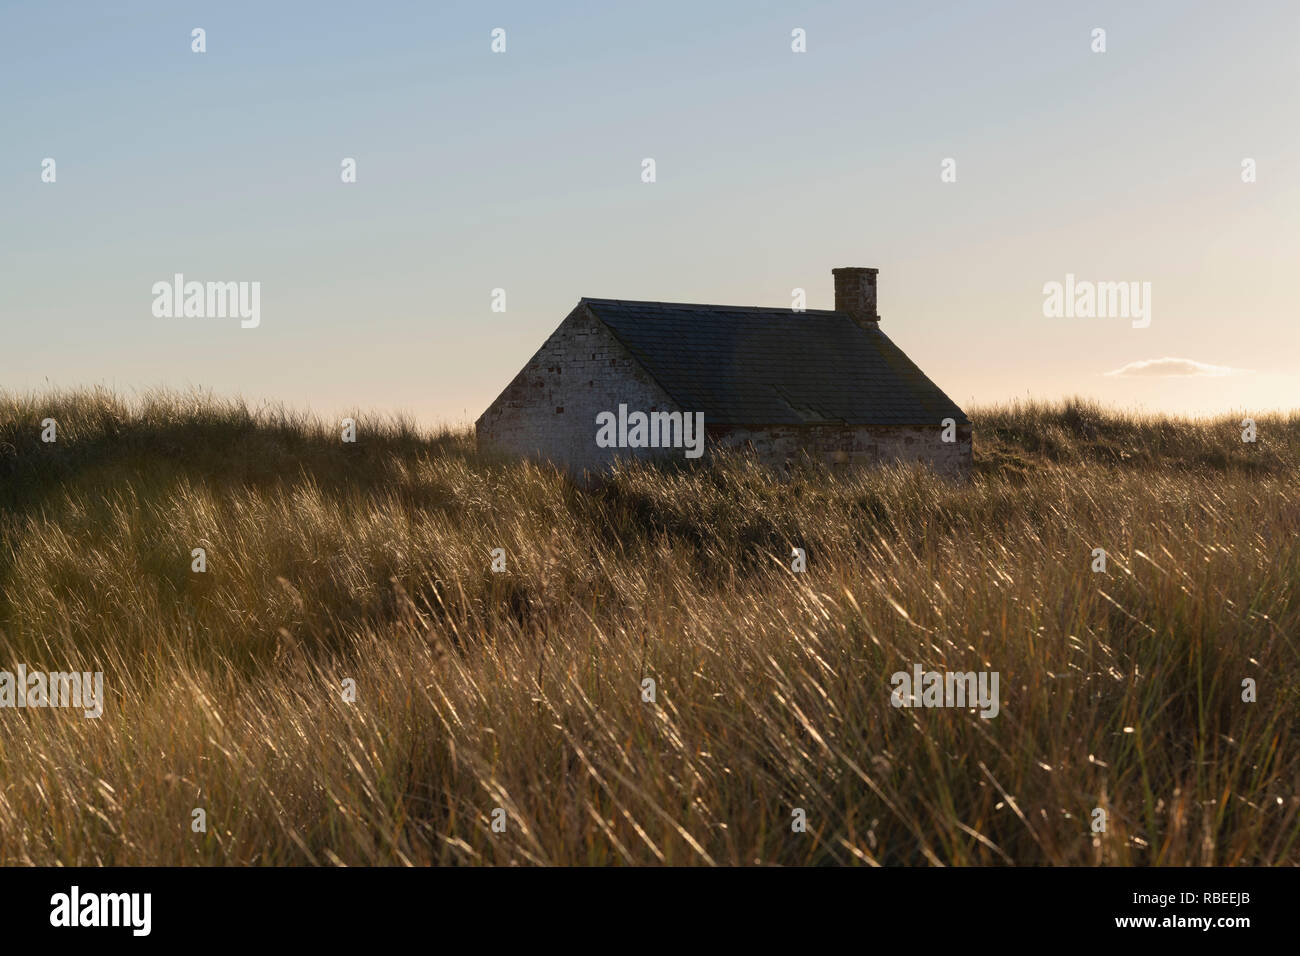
840,446
549,410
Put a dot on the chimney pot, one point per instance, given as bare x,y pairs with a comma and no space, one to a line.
855,294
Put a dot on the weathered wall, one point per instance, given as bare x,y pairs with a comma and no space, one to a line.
549,410
848,446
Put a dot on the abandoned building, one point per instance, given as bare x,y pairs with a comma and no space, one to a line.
620,378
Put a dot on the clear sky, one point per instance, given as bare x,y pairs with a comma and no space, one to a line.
522,170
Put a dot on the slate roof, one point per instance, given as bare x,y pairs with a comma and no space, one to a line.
756,366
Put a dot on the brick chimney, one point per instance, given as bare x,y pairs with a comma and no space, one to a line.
855,294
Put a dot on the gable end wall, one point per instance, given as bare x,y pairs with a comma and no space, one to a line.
548,412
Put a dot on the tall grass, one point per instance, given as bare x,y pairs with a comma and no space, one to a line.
524,690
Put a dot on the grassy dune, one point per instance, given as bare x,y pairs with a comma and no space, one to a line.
523,690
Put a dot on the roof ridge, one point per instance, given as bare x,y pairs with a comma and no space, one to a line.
714,305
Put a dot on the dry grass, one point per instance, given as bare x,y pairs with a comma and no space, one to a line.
523,690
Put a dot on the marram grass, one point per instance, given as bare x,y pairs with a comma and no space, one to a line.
523,691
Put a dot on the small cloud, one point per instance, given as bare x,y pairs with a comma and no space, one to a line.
1172,368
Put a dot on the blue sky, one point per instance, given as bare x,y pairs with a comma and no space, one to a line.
522,171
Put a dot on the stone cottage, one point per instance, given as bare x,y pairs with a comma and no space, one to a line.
620,378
